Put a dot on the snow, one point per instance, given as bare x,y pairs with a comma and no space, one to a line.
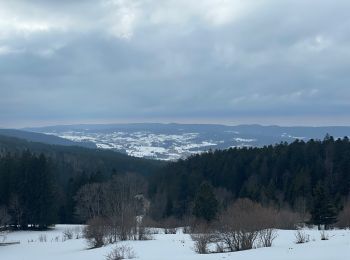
244,140
293,137
171,247
143,143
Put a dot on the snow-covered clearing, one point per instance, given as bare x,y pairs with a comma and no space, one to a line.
178,246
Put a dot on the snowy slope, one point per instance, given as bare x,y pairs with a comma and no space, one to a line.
171,247
174,141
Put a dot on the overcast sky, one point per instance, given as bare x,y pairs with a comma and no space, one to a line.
263,61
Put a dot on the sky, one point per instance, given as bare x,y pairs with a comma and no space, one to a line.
210,61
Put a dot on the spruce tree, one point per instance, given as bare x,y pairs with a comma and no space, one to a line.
323,210
205,203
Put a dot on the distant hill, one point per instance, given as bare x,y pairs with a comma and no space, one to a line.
71,167
43,138
73,160
285,175
174,141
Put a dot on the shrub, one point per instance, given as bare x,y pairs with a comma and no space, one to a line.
201,242
202,237
287,219
238,227
220,247
3,236
267,236
170,230
42,238
187,230
344,217
95,232
121,252
301,237
170,225
5,218
67,234
144,233
324,235
78,232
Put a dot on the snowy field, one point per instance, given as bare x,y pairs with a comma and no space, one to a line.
168,247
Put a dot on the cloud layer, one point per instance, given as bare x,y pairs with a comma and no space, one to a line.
147,60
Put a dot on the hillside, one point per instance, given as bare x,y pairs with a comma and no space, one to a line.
175,141
284,175
79,158
43,138
55,173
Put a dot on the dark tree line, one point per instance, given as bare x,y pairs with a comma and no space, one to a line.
27,169
28,190
42,187
309,177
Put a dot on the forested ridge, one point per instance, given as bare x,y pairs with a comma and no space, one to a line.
45,184
41,180
283,175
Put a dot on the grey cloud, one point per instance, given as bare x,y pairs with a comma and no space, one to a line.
87,60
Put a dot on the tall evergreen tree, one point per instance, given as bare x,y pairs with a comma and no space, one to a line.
205,203
323,210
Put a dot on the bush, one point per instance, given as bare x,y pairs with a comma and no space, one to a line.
287,219
201,242
344,217
3,236
5,218
42,238
78,232
96,232
121,252
170,225
170,230
144,233
220,247
187,230
239,226
67,234
324,235
267,236
301,237
202,238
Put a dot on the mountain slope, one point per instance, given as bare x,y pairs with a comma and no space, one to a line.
174,141
25,164
43,138
80,159
286,174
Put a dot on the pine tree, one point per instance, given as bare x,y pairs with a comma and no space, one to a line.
323,210
205,203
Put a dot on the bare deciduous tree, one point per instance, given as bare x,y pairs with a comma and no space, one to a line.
344,216
324,235
96,232
301,237
267,236
238,226
121,252
170,225
4,221
287,219
5,218
121,205
202,238
243,223
301,207
89,201
118,202
16,209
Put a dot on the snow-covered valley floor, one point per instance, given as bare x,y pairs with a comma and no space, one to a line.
169,247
